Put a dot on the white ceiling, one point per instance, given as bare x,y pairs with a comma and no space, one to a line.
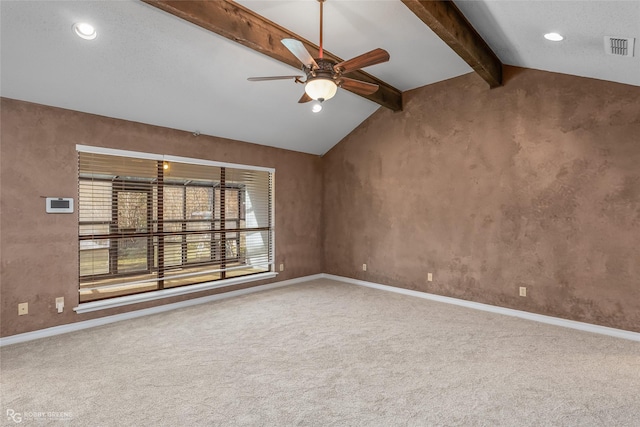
514,31
151,67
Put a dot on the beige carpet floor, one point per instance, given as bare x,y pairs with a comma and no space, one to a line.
323,354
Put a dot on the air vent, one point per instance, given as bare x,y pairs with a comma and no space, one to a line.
619,46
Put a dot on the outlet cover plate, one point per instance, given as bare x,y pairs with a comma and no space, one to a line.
23,308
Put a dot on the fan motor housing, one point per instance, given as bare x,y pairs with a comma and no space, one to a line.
325,69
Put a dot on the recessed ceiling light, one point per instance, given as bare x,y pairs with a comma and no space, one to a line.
554,37
84,30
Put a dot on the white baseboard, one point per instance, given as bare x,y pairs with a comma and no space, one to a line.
71,327
85,324
588,327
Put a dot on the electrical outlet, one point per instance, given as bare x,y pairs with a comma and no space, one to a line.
281,266
364,267
23,308
60,304
429,277
523,291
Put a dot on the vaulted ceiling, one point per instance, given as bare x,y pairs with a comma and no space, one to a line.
185,65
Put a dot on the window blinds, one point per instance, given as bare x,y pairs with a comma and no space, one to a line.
149,222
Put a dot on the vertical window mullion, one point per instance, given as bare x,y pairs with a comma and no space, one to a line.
238,219
160,215
212,226
223,224
272,266
113,230
183,227
243,220
150,229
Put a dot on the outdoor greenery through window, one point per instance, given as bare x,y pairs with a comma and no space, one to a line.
150,222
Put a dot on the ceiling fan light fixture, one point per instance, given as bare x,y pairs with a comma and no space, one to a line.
316,106
321,88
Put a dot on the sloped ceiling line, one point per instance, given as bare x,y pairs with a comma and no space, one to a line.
241,25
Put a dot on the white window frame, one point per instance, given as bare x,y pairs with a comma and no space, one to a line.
86,307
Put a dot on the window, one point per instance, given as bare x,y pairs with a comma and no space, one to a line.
150,222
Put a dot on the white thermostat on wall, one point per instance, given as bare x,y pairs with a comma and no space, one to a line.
59,205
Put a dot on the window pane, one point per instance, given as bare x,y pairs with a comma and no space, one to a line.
132,254
132,211
94,260
232,245
90,229
94,201
199,202
105,166
232,207
173,227
255,195
198,226
173,203
198,247
112,287
232,225
172,252
256,247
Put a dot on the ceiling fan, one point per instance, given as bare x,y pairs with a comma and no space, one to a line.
324,76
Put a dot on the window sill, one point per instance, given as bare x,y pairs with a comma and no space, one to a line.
166,293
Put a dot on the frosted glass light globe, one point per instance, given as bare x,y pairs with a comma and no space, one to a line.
321,88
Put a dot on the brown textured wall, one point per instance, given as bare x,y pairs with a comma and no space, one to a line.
536,184
532,184
39,252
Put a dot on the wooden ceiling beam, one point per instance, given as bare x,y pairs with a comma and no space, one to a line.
241,25
446,20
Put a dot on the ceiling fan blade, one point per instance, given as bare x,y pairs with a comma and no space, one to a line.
376,56
357,86
305,98
261,79
299,51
